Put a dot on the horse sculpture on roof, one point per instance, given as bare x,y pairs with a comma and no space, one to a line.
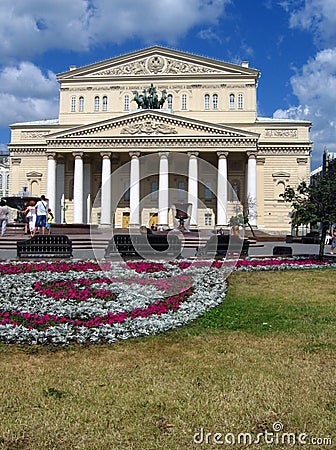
149,98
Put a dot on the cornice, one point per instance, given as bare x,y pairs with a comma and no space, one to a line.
17,151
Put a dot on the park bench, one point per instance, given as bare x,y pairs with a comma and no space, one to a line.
143,245
282,250
219,245
45,246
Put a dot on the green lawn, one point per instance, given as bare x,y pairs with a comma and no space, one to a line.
266,355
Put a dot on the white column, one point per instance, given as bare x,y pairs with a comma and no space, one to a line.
78,188
193,186
51,182
106,201
222,189
252,187
59,190
87,191
163,189
135,190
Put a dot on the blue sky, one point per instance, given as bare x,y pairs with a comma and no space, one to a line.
291,42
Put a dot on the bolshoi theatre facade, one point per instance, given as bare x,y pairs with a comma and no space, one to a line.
141,132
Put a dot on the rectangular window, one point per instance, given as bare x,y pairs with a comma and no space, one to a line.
154,190
73,103
181,190
126,103
184,101
127,192
208,219
208,191
240,101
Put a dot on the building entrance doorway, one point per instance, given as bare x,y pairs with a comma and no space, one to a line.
153,220
125,219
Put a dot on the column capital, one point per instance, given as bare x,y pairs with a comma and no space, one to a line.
78,155
134,154
192,154
162,154
222,154
51,156
105,155
252,154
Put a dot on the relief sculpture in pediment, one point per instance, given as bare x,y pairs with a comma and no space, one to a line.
148,127
154,65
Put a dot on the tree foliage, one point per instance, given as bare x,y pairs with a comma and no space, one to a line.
314,204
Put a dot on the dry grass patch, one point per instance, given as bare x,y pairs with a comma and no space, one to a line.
158,392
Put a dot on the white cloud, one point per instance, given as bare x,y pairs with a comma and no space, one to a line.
27,94
315,87
151,20
319,18
29,28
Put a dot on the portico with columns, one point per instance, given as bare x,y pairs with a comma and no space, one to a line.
109,160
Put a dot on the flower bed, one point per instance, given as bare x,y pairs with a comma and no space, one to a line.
88,302
63,302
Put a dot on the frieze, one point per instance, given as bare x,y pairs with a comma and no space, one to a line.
27,151
281,132
236,86
285,150
152,143
34,134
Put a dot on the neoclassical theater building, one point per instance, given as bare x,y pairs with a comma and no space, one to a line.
137,129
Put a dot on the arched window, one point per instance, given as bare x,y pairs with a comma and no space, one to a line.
240,101
7,186
104,103
96,103
232,101
215,101
126,103
279,189
1,184
207,101
170,101
184,101
81,104
73,103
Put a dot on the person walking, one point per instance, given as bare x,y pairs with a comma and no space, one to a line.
50,217
30,213
3,216
41,214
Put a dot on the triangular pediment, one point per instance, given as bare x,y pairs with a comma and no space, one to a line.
150,123
156,61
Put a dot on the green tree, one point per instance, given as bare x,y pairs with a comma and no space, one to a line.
314,204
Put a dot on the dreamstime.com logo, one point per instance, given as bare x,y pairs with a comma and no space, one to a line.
275,437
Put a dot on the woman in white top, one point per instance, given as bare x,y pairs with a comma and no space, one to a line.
31,216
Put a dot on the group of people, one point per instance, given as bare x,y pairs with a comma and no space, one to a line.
38,215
